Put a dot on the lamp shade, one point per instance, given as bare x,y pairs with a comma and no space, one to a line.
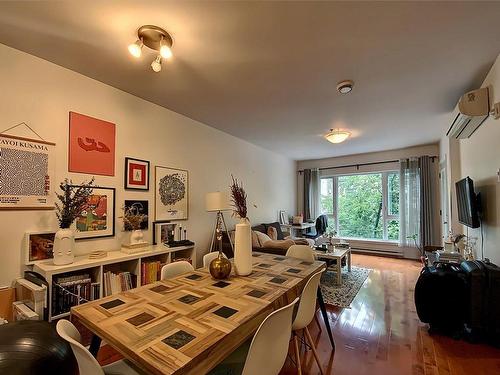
217,201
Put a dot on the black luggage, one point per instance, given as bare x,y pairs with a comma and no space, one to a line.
483,315
440,298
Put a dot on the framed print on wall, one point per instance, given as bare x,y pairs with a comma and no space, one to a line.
171,194
91,145
139,207
163,232
98,218
136,174
27,173
39,246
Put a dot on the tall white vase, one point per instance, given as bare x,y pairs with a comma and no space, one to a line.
64,246
243,248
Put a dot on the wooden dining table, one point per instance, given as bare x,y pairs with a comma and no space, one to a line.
189,324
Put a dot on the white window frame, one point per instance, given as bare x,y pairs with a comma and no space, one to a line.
386,218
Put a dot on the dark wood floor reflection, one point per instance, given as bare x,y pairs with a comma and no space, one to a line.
381,333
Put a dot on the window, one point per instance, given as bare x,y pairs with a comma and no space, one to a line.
364,206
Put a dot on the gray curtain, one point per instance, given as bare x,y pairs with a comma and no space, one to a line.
427,201
409,202
311,193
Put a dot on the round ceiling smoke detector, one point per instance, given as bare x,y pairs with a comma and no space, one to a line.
345,87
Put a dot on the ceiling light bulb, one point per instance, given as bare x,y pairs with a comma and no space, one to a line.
135,49
156,64
165,51
337,136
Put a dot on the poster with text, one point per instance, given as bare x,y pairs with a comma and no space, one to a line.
171,195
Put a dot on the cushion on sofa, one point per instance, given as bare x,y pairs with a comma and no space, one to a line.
262,237
277,226
278,244
271,232
255,240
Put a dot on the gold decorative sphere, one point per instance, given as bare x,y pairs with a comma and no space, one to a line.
220,267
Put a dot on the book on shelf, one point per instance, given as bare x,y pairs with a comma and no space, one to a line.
72,290
118,282
150,271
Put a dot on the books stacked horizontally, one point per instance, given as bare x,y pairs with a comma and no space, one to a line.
150,272
449,257
117,282
72,290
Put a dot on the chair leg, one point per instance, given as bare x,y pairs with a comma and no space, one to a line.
309,338
317,321
297,353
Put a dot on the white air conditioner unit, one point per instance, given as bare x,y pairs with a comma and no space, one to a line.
471,111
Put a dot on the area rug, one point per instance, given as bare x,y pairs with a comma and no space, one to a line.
343,295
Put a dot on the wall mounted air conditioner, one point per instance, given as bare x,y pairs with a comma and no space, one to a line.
471,111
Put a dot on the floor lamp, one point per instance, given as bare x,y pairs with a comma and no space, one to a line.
218,202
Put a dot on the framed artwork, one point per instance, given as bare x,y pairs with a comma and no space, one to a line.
91,145
98,218
283,217
39,246
171,194
163,232
140,207
136,174
27,173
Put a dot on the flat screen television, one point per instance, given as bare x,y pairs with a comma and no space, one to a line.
468,203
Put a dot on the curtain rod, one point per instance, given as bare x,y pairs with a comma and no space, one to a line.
357,165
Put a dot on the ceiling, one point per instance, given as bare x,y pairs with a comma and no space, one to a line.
266,71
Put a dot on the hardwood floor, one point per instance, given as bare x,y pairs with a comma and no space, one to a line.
381,333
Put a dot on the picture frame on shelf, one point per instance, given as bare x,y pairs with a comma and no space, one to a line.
136,174
141,207
171,193
98,219
39,246
163,231
283,217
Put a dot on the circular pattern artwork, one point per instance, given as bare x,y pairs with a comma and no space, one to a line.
172,189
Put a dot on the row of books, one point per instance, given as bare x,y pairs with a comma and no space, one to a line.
72,290
117,282
150,272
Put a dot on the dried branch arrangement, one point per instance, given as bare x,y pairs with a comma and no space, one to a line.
132,218
239,199
73,200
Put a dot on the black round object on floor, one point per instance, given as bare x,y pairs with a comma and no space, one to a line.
34,347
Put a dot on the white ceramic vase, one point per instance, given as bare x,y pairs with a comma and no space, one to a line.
243,248
64,246
136,237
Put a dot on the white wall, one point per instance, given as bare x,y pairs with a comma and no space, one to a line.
480,159
41,94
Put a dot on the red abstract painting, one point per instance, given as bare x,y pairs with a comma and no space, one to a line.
91,145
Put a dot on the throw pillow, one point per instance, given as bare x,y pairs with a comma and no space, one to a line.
262,237
278,244
272,233
255,240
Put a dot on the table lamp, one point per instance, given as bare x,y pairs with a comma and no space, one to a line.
217,202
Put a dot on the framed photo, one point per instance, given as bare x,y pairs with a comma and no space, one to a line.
136,174
140,207
39,246
171,194
27,173
91,145
163,232
98,218
283,217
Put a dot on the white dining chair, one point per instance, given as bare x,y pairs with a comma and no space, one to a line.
207,258
303,252
171,270
266,353
305,313
87,364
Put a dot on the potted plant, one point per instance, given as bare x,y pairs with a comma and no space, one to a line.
73,200
243,232
132,219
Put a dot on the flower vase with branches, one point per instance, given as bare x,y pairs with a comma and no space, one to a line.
243,233
132,220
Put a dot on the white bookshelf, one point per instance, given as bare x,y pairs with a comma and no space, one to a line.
115,260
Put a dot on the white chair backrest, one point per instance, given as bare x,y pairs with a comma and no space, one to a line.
171,270
207,258
307,304
269,346
303,252
87,364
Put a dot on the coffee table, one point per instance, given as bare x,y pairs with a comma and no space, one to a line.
336,254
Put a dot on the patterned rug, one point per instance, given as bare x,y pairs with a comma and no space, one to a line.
343,295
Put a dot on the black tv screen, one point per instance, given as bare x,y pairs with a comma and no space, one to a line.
468,204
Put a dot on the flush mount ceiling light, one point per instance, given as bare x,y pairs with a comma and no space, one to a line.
155,38
337,136
345,87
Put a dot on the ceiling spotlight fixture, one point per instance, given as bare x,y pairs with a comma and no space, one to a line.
157,39
337,135
156,64
345,87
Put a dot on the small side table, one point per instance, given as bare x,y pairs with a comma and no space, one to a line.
338,254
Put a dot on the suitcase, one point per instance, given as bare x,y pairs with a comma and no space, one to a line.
483,315
439,298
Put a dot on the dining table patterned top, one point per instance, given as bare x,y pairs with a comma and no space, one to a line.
188,324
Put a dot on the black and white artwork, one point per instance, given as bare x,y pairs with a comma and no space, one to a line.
26,173
171,196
